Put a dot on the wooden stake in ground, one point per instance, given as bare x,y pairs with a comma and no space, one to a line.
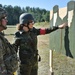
51,63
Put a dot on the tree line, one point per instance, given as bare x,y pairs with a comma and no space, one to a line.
40,15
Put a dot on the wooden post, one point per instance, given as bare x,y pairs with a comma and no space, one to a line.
51,63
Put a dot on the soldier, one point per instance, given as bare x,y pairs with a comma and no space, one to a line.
3,22
26,42
6,55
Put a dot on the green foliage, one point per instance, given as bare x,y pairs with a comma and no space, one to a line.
40,15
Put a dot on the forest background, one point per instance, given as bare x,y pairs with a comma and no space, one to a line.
40,15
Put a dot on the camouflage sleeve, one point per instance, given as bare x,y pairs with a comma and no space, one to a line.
3,70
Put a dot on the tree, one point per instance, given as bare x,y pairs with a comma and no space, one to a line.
16,14
40,15
9,10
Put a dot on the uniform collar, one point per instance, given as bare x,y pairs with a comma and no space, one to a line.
22,31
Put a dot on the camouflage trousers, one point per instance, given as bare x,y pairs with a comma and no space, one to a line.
28,69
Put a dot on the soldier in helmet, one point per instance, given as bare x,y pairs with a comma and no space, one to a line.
3,22
26,42
5,51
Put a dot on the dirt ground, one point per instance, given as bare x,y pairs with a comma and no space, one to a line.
62,65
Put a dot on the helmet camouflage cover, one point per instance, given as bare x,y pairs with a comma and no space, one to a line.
3,13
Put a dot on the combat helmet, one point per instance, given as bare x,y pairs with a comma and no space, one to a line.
3,13
25,17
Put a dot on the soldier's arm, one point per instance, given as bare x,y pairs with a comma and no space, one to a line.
16,41
42,31
49,30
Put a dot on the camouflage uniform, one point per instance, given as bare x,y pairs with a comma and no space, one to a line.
6,65
8,55
28,53
3,70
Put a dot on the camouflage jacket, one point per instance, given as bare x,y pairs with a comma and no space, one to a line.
3,70
3,53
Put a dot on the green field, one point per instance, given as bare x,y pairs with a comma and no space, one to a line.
62,65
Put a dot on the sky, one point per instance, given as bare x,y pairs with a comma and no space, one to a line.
42,4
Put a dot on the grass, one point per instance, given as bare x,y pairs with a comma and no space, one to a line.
62,65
